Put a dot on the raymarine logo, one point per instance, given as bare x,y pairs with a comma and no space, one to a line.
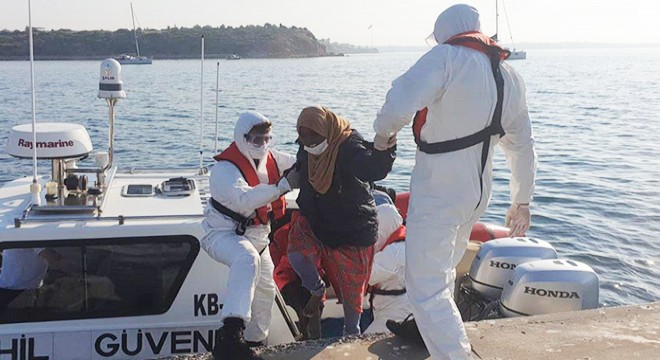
551,293
46,144
502,265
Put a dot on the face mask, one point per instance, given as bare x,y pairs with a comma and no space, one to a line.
257,152
317,149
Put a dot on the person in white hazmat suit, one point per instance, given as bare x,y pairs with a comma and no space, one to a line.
455,92
387,290
247,189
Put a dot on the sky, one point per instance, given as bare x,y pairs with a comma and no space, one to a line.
394,22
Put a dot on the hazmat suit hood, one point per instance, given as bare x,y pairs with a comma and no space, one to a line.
246,121
389,220
453,21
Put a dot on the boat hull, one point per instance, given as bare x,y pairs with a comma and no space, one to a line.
135,61
517,55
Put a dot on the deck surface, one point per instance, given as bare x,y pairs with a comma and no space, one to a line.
626,332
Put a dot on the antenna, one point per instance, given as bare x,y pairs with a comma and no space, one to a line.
35,187
201,114
217,92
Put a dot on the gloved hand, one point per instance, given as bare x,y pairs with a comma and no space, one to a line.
290,179
382,143
518,219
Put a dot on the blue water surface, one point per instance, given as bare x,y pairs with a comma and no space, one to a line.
596,116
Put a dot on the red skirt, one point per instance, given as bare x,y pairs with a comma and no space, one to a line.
348,267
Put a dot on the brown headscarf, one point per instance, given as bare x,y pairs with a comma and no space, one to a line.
335,129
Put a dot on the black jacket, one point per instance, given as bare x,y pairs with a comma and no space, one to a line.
346,214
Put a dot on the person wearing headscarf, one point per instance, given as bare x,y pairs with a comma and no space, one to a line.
247,186
338,223
464,100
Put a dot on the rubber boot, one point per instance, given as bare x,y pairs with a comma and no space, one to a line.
230,343
253,344
406,329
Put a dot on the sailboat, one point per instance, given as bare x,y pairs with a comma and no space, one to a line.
127,59
515,54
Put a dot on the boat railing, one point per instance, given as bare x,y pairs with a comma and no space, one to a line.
75,213
121,219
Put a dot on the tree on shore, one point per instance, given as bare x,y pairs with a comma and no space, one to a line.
173,42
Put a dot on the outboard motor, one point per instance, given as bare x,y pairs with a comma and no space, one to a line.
497,259
549,286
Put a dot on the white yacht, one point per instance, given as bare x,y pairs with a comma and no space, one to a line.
515,54
134,59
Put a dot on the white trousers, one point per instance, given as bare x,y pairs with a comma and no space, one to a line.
251,288
432,253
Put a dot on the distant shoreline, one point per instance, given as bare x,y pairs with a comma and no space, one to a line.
267,41
206,57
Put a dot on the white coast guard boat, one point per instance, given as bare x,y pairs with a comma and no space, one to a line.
124,276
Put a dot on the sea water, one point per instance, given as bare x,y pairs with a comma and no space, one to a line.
595,112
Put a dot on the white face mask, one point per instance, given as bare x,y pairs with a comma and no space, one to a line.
257,152
318,149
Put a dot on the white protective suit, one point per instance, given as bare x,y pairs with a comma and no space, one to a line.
456,84
388,272
251,289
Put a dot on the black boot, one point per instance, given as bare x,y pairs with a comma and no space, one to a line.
406,329
253,344
229,342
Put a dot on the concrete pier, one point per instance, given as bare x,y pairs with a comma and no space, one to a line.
626,332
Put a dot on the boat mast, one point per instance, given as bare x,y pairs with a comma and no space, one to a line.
497,21
137,47
201,114
508,24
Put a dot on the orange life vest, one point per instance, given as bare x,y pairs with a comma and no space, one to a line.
398,235
482,43
234,156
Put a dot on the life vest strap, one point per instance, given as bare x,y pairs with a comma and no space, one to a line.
482,136
242,222
373,291
457,144
377,291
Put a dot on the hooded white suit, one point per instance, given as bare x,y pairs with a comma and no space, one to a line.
251,288
388,272
456,84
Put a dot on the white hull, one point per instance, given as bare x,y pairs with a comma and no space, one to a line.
140,288
142,60
517,55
